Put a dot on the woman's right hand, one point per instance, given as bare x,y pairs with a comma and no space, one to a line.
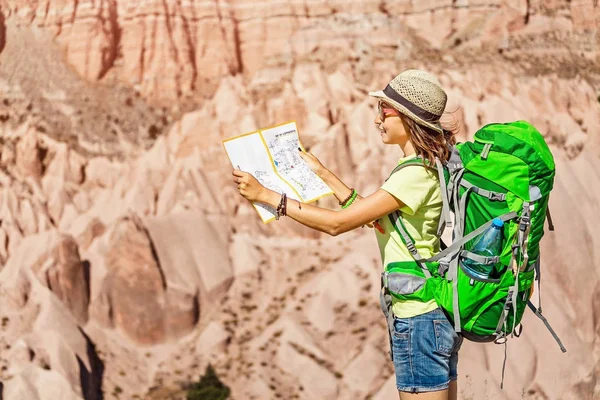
313,163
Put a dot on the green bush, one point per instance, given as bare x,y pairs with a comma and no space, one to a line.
209,387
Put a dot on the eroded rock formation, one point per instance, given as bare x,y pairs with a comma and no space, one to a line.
127,260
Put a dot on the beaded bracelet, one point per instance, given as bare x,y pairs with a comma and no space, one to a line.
352,191
282,207
351,200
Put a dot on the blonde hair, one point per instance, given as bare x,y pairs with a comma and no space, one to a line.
429,144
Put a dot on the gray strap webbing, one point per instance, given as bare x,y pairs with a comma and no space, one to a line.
455,247
523,235
385,302
538,313
443,267
395,217
523,240
523,244
453,276
513,256
445,220
463,212
478,258
455,162
451,186
501,322
514,295
458,216
403,283
493,196
486,151
410,244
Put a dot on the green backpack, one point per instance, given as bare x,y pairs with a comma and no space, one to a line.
507,172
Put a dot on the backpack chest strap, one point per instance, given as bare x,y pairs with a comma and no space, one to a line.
396,220
493,196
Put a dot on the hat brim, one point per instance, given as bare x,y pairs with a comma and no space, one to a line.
382,96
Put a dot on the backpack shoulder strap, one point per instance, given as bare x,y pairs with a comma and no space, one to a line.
445,218
416,161
396,220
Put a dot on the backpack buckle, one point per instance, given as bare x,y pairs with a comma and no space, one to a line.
411,247
384,280
443,268
524,222
495,196
515,250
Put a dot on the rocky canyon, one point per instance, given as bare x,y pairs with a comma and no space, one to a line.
128,261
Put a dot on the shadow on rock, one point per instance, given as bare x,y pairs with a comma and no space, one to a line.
91,381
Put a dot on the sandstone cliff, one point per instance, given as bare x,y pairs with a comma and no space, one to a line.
127,260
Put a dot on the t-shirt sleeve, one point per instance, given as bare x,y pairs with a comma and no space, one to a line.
412,186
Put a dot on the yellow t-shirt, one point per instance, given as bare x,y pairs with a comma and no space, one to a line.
419,189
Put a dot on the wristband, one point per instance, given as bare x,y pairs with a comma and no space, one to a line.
351,200
352,191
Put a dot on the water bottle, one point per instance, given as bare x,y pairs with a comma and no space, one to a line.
488,244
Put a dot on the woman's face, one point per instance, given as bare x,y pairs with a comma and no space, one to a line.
390,123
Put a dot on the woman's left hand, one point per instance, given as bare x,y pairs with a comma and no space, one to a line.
248,186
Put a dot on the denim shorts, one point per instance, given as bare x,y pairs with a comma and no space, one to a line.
425,352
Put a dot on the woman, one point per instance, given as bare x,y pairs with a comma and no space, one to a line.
424,344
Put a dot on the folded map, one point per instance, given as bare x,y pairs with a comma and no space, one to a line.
271,155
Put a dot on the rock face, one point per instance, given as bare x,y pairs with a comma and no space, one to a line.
135,285
177,50
43,306
155,282
128,262
67,277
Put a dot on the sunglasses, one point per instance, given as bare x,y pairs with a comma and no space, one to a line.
384,111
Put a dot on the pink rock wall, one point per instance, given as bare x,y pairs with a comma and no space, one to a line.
139,245
175,50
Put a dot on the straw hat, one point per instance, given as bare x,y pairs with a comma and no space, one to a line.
418,95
